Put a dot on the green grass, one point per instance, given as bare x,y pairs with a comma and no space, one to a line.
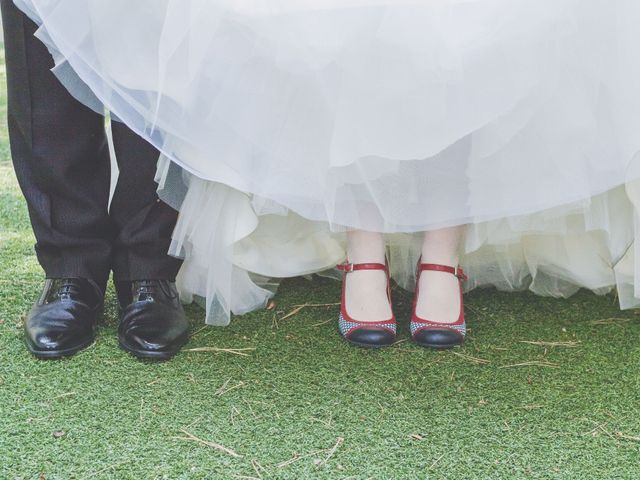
302,394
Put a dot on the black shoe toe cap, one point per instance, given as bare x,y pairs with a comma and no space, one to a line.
59,329
372,337
439,338
153,330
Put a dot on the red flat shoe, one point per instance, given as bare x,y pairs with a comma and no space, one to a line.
430,334
365,334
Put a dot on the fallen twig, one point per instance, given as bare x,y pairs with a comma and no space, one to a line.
224,389
533,363
192,438
257,467
297,457
199,330
322,323
474,360
609,321
436,462
234,351
108,467
568,344
627,437
332,451
62,395
298,308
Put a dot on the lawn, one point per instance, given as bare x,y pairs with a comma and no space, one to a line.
543,388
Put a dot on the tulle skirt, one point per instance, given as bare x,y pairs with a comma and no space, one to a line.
284,123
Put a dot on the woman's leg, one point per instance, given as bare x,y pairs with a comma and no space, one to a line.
366,290
439,298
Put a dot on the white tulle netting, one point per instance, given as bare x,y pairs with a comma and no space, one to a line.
284,122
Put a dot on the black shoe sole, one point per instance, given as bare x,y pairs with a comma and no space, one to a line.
159,356
367,345
58,354
364,345
433,346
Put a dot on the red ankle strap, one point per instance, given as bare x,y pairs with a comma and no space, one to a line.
457,271
352,267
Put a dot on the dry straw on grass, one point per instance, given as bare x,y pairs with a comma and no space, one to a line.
192,438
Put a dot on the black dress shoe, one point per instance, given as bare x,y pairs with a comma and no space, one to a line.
154,325
64,319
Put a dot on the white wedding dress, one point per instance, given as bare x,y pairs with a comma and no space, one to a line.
282,123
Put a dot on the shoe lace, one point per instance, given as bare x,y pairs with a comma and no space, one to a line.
146,289
67,288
